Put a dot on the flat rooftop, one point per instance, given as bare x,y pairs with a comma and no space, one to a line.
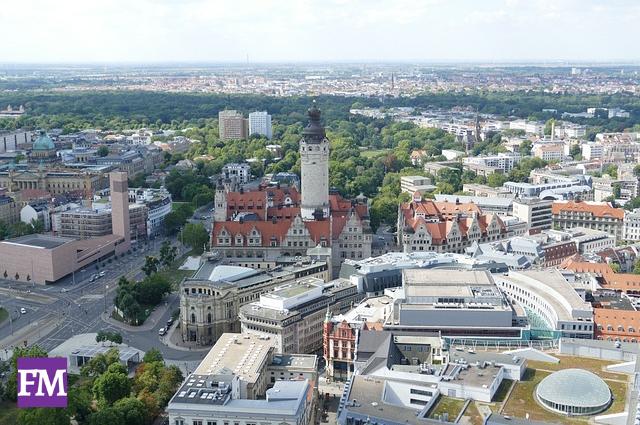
299,361
241,354
39,241
464,278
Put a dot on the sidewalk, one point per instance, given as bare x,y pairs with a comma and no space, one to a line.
173,340
150,323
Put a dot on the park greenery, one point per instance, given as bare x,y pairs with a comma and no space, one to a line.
136,299
103,393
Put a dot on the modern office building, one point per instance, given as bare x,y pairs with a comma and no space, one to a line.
242,380
293,314
210,301
550,300
413,184
158,205
85,223
535,212
260,123
232,125
14,140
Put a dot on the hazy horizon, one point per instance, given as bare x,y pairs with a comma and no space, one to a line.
489,32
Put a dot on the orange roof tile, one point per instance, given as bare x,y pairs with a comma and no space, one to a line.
597,210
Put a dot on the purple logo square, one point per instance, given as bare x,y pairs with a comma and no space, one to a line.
42,382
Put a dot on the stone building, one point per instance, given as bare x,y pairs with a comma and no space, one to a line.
210,302
269,223
426,225
54,181
591,215
292,314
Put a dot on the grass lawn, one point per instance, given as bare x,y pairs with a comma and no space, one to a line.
473,414
372,153
449,405
522,399
4,314
8,413
592,365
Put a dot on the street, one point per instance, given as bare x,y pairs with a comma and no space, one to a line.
75,305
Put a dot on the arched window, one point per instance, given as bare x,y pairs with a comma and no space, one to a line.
193,318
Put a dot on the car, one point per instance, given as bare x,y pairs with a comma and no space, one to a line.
162,332
169,323
92,278
23,310
102,273
63,290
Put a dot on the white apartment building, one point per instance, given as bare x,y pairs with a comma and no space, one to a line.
413,184
260,123
592,150
502,161
529,127
238,173
631,225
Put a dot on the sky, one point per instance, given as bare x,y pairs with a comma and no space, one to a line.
487,31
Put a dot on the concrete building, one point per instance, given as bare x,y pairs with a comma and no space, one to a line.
14,140
85,223
210,301
242,380
631,225
592,150
482,190
535,212
548,151
46,259
260,123
413,184
552,299
502,162
9,210
158,204
529,190
488,204
591,215
292,314
232,125
237,173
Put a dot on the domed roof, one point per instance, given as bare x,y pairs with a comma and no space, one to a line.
574,387
43,143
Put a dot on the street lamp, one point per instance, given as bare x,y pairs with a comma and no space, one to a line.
106,288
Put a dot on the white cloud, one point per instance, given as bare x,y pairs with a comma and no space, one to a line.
303,30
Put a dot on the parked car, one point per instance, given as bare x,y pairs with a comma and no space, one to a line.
102,273
162,332
169,323
23,310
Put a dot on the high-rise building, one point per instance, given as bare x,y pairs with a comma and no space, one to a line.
314,157
120,207
232,125
260,123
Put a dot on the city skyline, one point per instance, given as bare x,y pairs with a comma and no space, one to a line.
496,31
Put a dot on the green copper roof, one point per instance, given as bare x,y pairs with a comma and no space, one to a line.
43,142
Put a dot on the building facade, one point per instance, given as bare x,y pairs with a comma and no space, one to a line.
232,125
591,215
260,123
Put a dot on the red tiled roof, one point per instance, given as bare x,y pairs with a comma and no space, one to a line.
601,210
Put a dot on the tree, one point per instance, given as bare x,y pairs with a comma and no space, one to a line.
168,253
106,416
636,170
612,170
525,148
496,179
33,351
103,151
131,410
152,289
43,416
616,190
196,236
114,337
636,267
153,355
110,387
150,265
615,267
100,363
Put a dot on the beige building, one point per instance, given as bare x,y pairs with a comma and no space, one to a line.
46,259
591,215
292,314
413,184
210,302
56,182
232,125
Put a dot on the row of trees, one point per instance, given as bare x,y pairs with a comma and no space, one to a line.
133,299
